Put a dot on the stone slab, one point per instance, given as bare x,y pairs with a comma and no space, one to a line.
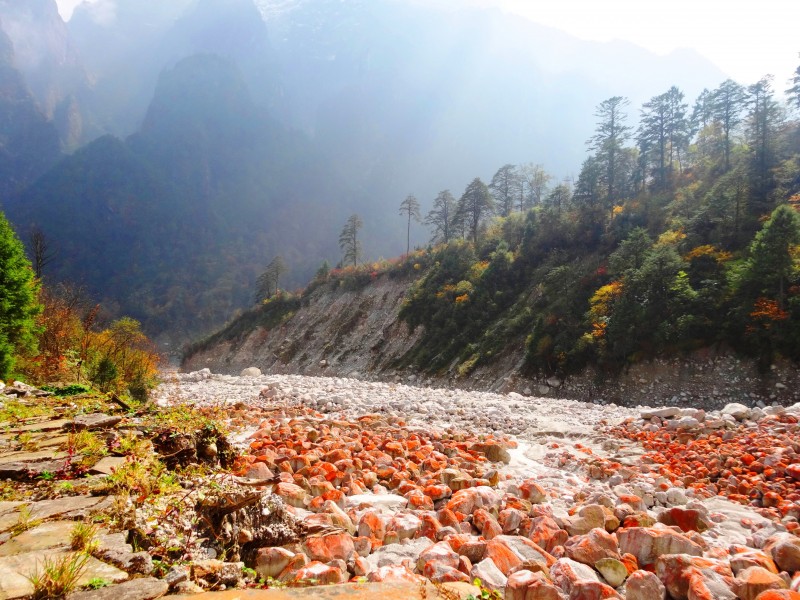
346,591
15,570
107,465
146,588
55,534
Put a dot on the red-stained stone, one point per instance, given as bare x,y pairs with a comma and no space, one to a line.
779,595
509,519
545,532
372,525
325,548
527,585
752,558
392,573
317,573
785,551
441,573
531,491
753,580
677,570
292,494
440,552
686,519
647,544
642,585
593,546
474,550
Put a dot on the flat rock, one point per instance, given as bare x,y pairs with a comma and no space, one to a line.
107,465
667,412
146,588
15,570
401,590
386,502
41,426
55,534
24,457
93,421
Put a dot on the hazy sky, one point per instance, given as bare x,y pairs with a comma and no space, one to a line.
747,39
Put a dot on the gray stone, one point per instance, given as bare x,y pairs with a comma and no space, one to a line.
738,411
667,412
490,576
93,421
107,465
55,534
251,372
177,574
396,554
130,562
146,588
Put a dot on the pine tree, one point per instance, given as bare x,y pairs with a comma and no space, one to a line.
727,102
474,206
348,240
608,143
505,188
442,217
19,303
268,282
410,208
794,91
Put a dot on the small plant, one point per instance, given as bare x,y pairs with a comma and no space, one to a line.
485,593
83,537
47,476
66,487
95,583
87,443
58,577
25,521
27,442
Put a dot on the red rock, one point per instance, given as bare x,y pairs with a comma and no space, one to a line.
592,590
270,562
440,552
677,570
630,562
531,491
441,573
429,527
317,573
325,548
437,492
567,573
292,494
752,558
392,573
527,585
642,585
546,533
593,546
708,585
785,551
754,580
647,544
778,595
510,551
685,518
509,519
474,550
405,525
371,525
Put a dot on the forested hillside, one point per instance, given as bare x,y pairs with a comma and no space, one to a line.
681,232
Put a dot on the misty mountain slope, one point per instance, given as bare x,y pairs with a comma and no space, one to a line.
29,145
51,66
173,225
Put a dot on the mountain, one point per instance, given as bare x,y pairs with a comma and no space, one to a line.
243,129
172,225
51,66
29,144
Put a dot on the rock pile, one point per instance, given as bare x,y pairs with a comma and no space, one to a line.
382,498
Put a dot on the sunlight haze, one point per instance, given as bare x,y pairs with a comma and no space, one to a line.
745,39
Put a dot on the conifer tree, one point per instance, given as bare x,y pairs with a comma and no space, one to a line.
474,206
608,143
348,240
410,208
19,303
442,217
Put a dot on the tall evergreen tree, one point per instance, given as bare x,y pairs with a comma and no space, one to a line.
727,103
534,182
19,303
763,121
505,188
663,134
443,217
410,208
608,142
268,282
474,206
349,242
794,92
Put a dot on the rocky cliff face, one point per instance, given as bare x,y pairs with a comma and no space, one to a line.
346,333
336,332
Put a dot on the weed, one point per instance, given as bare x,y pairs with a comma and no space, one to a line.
58,577
27,441
133,445
92,446
47,476
95,583
66,487
25,521
485,593
9,491
83,537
